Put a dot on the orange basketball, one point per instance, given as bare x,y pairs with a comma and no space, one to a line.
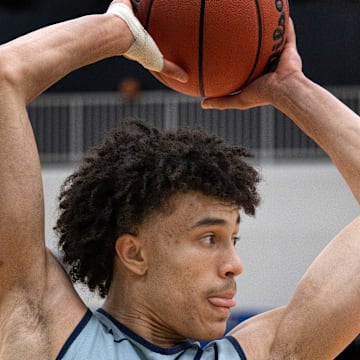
222,44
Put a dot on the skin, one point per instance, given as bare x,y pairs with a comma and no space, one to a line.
198,237
331,124
39,308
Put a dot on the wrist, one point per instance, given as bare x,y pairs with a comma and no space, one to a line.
286,92
123,38
143,49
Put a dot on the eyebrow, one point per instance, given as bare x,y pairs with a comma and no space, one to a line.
208,221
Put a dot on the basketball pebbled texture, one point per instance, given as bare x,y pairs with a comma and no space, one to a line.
223,45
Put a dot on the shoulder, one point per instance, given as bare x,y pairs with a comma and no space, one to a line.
89,339
256,335
100,336
36,319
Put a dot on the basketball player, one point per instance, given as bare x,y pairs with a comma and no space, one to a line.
151,219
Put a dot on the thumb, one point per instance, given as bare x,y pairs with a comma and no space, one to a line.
247,98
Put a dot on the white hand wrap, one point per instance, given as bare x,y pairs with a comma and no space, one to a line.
144,50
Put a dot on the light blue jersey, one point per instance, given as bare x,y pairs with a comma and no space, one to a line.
101,337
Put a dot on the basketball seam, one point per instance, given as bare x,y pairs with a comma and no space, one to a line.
148,15
260,35
200,47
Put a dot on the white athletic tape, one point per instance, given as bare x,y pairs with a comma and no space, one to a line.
144,50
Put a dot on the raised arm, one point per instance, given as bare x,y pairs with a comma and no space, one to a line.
331,124
28,66
31,282
322,318
324,314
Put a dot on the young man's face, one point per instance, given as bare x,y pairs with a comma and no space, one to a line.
190,282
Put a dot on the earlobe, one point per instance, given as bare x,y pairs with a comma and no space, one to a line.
131,253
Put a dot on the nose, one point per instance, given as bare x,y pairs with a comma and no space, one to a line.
232,265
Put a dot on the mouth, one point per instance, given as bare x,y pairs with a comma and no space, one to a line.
222,302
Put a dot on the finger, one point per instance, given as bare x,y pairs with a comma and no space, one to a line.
222,103
174,71
247,98
291,35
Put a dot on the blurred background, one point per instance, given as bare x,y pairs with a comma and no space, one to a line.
305,201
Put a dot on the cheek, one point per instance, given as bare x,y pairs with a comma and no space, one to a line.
179,273
180,297
175,298
179,288
177,279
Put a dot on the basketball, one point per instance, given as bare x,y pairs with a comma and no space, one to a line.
222,44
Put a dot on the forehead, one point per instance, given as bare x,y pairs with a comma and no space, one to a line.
193,209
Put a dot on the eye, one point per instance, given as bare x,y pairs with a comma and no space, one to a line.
208,240
236,240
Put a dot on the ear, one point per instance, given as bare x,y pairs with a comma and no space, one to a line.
131,253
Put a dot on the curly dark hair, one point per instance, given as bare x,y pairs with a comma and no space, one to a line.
133,173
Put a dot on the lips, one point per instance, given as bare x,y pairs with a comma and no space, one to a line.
222,301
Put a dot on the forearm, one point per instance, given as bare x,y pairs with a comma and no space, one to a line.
34,62
325,119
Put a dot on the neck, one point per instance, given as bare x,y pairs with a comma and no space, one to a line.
136,314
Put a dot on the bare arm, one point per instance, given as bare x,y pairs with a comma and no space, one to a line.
28,66
324,314
256,335
333,126
325,119
35,294
31,283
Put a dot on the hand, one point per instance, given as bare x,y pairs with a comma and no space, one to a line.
261,91
144,50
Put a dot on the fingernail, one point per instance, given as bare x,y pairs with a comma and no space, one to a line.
206,105
183,78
